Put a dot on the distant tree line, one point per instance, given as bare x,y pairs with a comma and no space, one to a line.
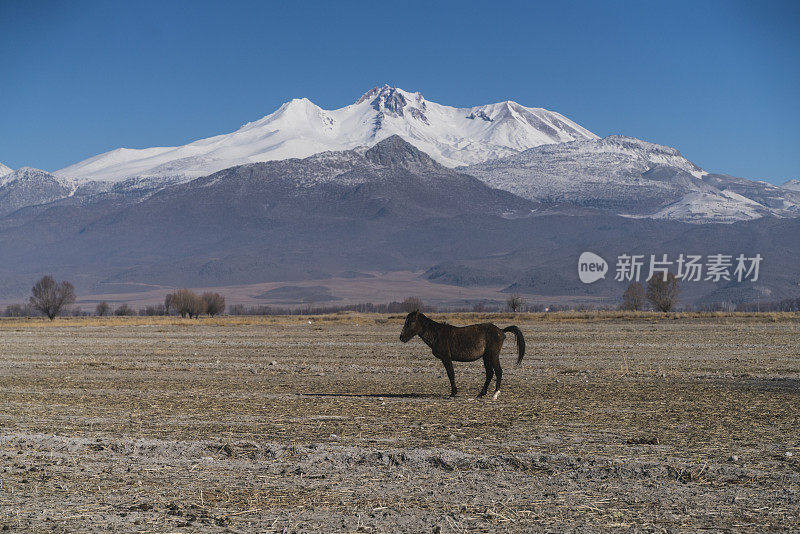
50,299
106,309
784,305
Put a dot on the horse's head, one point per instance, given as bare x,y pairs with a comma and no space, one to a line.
412,326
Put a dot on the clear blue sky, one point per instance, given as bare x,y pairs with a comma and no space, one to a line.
718,80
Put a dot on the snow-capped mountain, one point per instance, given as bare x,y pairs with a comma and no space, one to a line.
4,171
28,186
631,177
718,206
299,128
792,185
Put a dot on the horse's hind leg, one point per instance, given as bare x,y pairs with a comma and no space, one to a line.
498,372
487,363
448,366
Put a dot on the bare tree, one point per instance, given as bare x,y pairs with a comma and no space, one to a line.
634,297
515,302
185,302
150,310
197,306
102,309
662,291
411,304
214,303
124,310
50,297
168,303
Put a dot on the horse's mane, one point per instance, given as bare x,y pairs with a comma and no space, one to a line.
430,321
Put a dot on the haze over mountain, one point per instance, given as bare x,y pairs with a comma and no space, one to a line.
299,128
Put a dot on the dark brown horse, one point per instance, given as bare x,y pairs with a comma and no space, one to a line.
463,344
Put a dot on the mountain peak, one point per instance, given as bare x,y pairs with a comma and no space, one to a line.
394,151
26,172
31,174
395,101
299,106
793,185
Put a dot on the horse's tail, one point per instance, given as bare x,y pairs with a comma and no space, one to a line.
520,341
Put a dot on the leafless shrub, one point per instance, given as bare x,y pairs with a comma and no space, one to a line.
662,291
214,303
185,302
179,302
411,304
20,310
50,297
515,302
634,298
237,309
102,309
153,310
124,310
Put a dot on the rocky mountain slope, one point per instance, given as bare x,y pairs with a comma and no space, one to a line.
631,177
27,186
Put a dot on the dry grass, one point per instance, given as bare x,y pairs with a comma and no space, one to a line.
373,318
614,420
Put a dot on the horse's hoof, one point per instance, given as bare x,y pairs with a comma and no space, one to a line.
496,394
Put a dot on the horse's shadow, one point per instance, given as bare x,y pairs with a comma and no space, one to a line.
375,395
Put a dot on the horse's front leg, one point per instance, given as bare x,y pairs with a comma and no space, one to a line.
448,366
487,363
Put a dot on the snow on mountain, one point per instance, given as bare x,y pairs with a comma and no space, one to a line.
299,128
587,171
781,202
704,206
631,177
28,187
4,171
792,185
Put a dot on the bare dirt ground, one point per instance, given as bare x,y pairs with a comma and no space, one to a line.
611,423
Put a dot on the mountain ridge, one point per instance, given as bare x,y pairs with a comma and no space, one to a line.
634,178
299,128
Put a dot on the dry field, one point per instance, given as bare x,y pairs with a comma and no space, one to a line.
613,422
